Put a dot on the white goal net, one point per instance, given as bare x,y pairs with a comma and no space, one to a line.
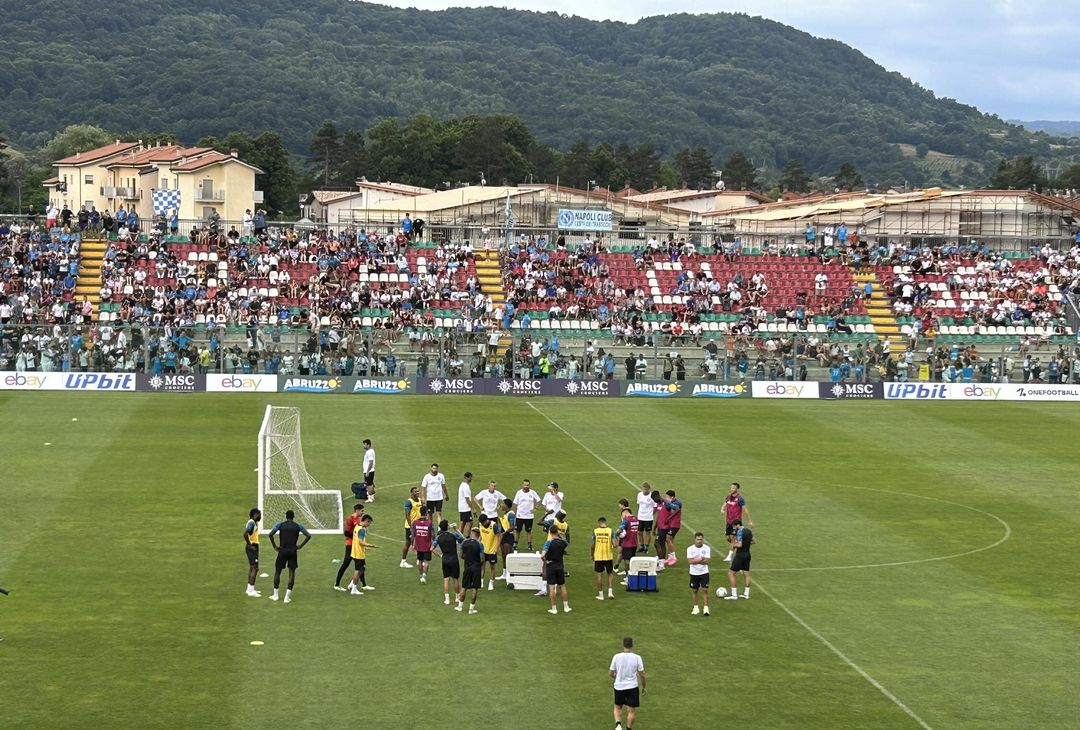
284,481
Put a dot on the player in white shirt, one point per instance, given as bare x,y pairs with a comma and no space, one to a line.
525,502
369,470
552,503
628,671
464,504
697,557
646,508
488,501
433,492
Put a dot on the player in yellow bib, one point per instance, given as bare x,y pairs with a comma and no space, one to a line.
564,529
412,513
489,538
603,555
251,548
360,547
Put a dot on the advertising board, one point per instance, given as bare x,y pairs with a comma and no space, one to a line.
784,389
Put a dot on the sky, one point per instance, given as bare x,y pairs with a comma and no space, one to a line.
1013,58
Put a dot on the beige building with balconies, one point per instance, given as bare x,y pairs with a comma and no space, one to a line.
127,174
216,182
82,178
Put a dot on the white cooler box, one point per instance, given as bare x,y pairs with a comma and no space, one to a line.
641,575
524,571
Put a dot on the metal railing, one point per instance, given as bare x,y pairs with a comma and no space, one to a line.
269,349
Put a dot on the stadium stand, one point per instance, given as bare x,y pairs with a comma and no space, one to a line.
349,302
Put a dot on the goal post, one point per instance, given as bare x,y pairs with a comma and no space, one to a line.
284,481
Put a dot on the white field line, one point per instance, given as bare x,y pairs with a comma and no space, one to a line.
828,644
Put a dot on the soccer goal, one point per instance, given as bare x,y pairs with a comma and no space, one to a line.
284,481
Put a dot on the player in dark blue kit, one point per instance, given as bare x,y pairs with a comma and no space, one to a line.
289,532
472,553
447,544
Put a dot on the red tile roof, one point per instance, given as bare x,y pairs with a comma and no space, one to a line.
165,153
101,153
208,159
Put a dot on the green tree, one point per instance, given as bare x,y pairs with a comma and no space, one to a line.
150,139
577,167
847,178
793,177
76,138
384,142
1070,178
739,173
1022,173
7,172
325,159
500,146
669,176
694,167
279,181
642,165
354,158
607,170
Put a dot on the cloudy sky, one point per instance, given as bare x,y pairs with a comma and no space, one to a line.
1014,58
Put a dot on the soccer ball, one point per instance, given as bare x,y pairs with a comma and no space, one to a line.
721,592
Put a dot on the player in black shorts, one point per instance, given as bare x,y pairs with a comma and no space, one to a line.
369,470
472,553
446,543
289,532
508,539
555,571
740,561
251,550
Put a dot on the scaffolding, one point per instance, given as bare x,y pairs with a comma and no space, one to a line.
1003,219
472,214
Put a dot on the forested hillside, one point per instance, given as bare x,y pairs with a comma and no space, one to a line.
724,82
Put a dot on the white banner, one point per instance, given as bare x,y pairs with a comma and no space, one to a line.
1014,391
784,389
240,383
916,391
12,380
584,220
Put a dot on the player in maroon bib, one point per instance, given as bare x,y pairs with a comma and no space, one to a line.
734,509
423,535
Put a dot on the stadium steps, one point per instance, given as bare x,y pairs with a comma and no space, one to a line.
881,314
91,258
489,275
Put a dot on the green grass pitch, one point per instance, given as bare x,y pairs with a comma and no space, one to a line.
916,562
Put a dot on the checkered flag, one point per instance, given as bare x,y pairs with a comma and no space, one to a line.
165,201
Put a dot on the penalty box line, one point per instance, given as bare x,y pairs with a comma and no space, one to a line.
813,632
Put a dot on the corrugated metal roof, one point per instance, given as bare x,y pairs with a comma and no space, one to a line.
329,196
450,199
667,196
393,187
838,204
